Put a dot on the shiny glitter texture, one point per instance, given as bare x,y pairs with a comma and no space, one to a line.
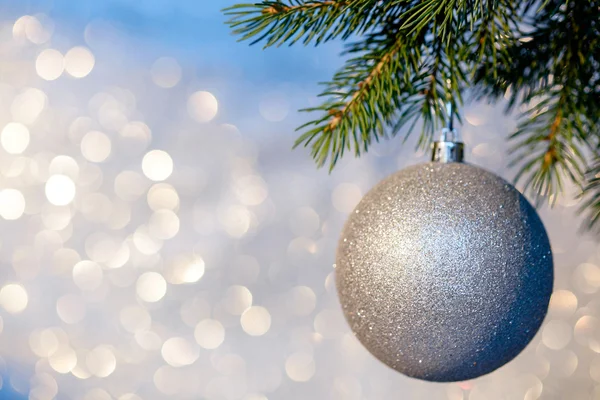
444,272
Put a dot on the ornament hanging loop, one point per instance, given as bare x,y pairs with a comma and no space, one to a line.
448,148
450,116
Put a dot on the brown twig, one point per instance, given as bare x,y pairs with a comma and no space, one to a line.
363,87
550,155
282,8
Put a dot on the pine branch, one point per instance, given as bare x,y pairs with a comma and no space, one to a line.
492,36
449,16
278,22
550,145
591,197
394,80
551,71
363,94
410,56
397,79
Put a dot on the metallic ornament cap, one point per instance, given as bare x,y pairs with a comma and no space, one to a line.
445,152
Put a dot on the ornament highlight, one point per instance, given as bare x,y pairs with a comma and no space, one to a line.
444,271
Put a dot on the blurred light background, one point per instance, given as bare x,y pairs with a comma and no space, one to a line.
160,240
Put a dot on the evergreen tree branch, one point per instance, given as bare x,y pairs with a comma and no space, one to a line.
397,79
492,37
411,56
551,71
591,198
279,22
550,144
364,94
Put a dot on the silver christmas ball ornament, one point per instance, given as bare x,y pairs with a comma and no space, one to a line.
444,270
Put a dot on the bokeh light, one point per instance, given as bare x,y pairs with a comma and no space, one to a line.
179,352
304,222
101,361
30,28
256,321
185,269
151,287
163,196
163,224
28,105
64,360
209,334
15,138
79,62
50,64
70,308
556,334
44,343
145,243
563,303
300,367
302,300
203,106
157,165
129,185
95,146
135,319
87,275
345,197
12,204
166,72
237,299
60,190
13,298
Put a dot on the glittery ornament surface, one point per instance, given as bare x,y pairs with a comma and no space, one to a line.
444,272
